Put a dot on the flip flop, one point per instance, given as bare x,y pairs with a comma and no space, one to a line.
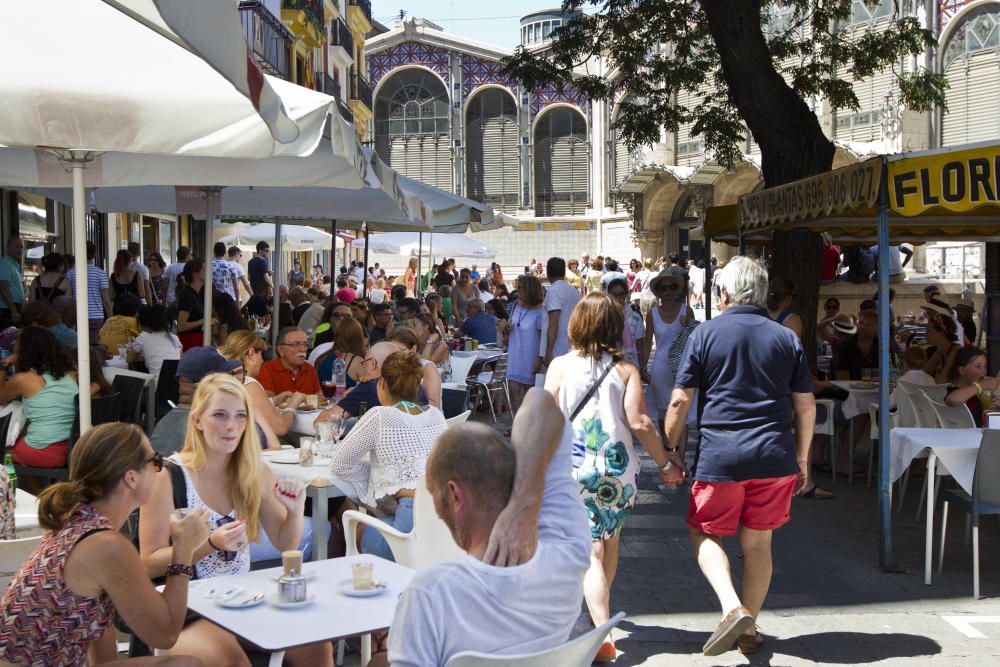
736,623
812,495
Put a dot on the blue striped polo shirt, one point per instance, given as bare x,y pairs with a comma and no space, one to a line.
96,281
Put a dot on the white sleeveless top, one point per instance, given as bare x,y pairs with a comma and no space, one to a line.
215,565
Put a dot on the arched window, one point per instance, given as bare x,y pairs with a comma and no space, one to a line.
412,127
971,63
492,158
561,163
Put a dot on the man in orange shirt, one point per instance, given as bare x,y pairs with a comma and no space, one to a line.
290,371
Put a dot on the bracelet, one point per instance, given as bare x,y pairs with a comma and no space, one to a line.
212,545
180,570
672,450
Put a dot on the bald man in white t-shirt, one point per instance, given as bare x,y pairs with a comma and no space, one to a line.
516,511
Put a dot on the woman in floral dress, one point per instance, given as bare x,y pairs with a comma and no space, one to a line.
604,458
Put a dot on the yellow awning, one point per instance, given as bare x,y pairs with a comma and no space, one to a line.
943,194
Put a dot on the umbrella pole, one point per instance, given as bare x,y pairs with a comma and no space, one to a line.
430,255
211,195
82,313
418,279
333,252
708,279
364,288
884,343
275,291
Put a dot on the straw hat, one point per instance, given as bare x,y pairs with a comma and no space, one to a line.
671,272
846,327
966,303
937,306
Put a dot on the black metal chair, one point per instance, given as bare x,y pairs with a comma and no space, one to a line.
130,389
103,409
167,387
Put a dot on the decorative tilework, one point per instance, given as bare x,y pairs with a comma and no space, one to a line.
551,94
409,53
478,71
948,9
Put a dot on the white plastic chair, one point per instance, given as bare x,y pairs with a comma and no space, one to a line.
26,515
460,367
430,542
13,553
578,652
984,500
828,428
952,416
922,410
459,419
906,418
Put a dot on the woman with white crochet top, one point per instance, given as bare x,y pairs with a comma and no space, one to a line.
399,435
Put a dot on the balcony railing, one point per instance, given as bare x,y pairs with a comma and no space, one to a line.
345,112
340,35
312,8
364,5
361,90
268,39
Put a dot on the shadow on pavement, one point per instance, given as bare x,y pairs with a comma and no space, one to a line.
842,648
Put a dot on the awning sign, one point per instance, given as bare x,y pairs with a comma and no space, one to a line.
845,189
958,181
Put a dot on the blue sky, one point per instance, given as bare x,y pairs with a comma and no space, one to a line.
490,22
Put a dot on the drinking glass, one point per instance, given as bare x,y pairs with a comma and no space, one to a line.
361,573
866,375
306,451
324,440
986,399
336,426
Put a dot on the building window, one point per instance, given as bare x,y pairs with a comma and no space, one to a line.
561,163
412,127
971,63
492,153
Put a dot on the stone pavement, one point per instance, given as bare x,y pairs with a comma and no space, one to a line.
828,603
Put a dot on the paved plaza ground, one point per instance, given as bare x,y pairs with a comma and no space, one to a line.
828,604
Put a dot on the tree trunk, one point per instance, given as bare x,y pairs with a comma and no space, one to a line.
791,140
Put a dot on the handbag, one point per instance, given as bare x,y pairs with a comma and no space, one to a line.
579,447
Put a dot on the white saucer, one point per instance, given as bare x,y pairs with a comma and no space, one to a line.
274,601
347,588
245,598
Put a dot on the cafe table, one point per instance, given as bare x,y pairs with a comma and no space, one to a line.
332,615
321,486
955,448
859,397
304,421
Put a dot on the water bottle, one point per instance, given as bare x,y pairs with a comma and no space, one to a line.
340,374
11,474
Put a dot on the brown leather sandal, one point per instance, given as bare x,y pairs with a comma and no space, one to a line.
748,644
736,622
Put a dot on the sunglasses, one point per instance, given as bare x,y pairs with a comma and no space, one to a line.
156,459
238,372
227,556
668,288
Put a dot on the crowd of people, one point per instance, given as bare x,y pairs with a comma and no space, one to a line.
587,342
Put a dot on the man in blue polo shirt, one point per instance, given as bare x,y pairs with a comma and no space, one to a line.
753,388
479,324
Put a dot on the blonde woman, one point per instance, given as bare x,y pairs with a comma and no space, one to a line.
222,473
409,277
248,348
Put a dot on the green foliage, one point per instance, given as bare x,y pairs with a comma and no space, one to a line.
664,47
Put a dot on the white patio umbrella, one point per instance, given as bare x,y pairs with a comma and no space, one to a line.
140,85
411,245
294,238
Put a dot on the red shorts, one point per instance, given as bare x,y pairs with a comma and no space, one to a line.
50,456
190,339
718,508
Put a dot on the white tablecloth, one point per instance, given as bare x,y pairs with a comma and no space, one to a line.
481,355
331,616
956,450
859,400
303,423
